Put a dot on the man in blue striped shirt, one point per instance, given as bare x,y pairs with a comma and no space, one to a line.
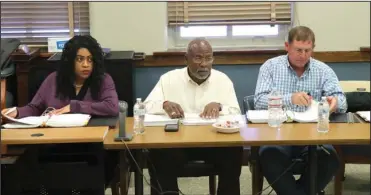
299,79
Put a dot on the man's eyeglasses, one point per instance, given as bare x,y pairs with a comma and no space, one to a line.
201,59
301,51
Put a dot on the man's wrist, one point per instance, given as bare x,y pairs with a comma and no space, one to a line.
287,100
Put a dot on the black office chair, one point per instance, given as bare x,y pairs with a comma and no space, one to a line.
191,169
7,69
198,169
353,154
56,166
255,169
36,76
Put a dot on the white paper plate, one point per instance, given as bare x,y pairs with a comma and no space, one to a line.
221,129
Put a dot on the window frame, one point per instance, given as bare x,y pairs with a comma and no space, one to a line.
72,14
226,42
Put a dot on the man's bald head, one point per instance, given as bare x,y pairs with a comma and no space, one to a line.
197,43
199,58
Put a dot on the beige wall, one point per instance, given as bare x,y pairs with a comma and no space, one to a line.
339,26
141,26
138,26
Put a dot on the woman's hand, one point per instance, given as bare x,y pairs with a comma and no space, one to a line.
63,110
12,114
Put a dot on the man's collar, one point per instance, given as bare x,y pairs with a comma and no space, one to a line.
189,79
307,66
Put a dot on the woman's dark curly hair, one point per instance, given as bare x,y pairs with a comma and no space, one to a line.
66,72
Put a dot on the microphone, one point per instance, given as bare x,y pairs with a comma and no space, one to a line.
122,135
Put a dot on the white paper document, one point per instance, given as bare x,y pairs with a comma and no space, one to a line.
189,119
63,120
365,115
310,115
195,119
153,120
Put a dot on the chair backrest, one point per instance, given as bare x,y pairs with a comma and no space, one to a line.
352,86
36,77
248,103
8,46
357,94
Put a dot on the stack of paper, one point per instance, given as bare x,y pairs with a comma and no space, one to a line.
27,122
19,126
310,115
63,120
195,119
68,120
257,116
365,115
158,120
189,119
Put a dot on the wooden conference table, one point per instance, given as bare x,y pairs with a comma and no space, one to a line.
249,135
53,135
44,136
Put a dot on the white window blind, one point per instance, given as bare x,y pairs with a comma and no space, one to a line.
34,22
228,13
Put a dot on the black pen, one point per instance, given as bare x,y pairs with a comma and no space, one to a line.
308,93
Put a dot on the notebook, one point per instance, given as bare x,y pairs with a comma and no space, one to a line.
365,115
189,119
309,116
46,120
153,120
195,119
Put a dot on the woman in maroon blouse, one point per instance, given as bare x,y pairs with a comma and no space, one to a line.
79,86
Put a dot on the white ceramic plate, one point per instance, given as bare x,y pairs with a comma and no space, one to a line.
221,128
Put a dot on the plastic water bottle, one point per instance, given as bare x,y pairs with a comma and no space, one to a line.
139,114
275,111
323,116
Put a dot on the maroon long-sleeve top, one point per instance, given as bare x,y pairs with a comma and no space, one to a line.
106,105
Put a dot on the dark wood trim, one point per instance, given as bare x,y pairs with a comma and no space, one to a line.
46,55
224,52
365,49
246,57
250,57
342,56
357,160
3,93
25,57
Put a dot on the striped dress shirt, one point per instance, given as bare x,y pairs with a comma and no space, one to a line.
318,79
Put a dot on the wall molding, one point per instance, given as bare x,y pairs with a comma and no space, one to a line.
365,49
246,57
252,57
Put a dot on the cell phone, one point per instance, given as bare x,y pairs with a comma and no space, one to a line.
172,127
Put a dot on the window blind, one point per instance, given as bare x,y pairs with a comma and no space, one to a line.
225,13
34,22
